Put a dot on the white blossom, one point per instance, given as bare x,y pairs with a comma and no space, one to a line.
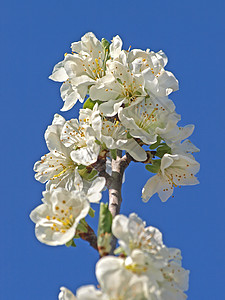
169,277
157,81
133,234
66,294
117,282
175,170
88,292
70,145
115,47
57,218
92,189
174,138
112,134
82,68
56,167
82,138
148,119
119,86
149,258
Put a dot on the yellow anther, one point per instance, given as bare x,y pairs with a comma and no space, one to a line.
48,218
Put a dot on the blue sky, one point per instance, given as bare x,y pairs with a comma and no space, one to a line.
34,37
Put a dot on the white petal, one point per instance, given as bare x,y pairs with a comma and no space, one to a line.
115,47
111,107
66,294
135,150
89,292
59,73
86,155
151,187
120,227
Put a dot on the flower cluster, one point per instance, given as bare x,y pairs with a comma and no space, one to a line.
126,116
126,108
130,91
146,270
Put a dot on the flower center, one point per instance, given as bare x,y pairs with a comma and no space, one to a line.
62,220
94,69
135,268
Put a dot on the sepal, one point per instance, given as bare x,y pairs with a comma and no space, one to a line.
70,244
155,167
91,212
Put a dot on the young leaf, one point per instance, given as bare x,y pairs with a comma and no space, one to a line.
70,243
90,103
82,228
113,153
91,212
156,144
154,168
105,219
163,149
105,43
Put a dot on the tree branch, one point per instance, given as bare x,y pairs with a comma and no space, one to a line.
115,199
90,237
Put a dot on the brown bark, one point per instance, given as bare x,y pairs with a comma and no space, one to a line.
115,184
90,237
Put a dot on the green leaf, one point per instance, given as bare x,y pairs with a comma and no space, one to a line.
97,142
105,43
156,144
90,103
113,153
81,228
91,175
70,243
91,212
105,219
163,149
86,174
154,168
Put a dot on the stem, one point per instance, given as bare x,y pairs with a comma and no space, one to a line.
90,237
115,184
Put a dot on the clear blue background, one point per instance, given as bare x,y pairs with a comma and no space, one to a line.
34,37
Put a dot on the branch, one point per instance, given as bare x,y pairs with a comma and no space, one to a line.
90,237
100,166
115,184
